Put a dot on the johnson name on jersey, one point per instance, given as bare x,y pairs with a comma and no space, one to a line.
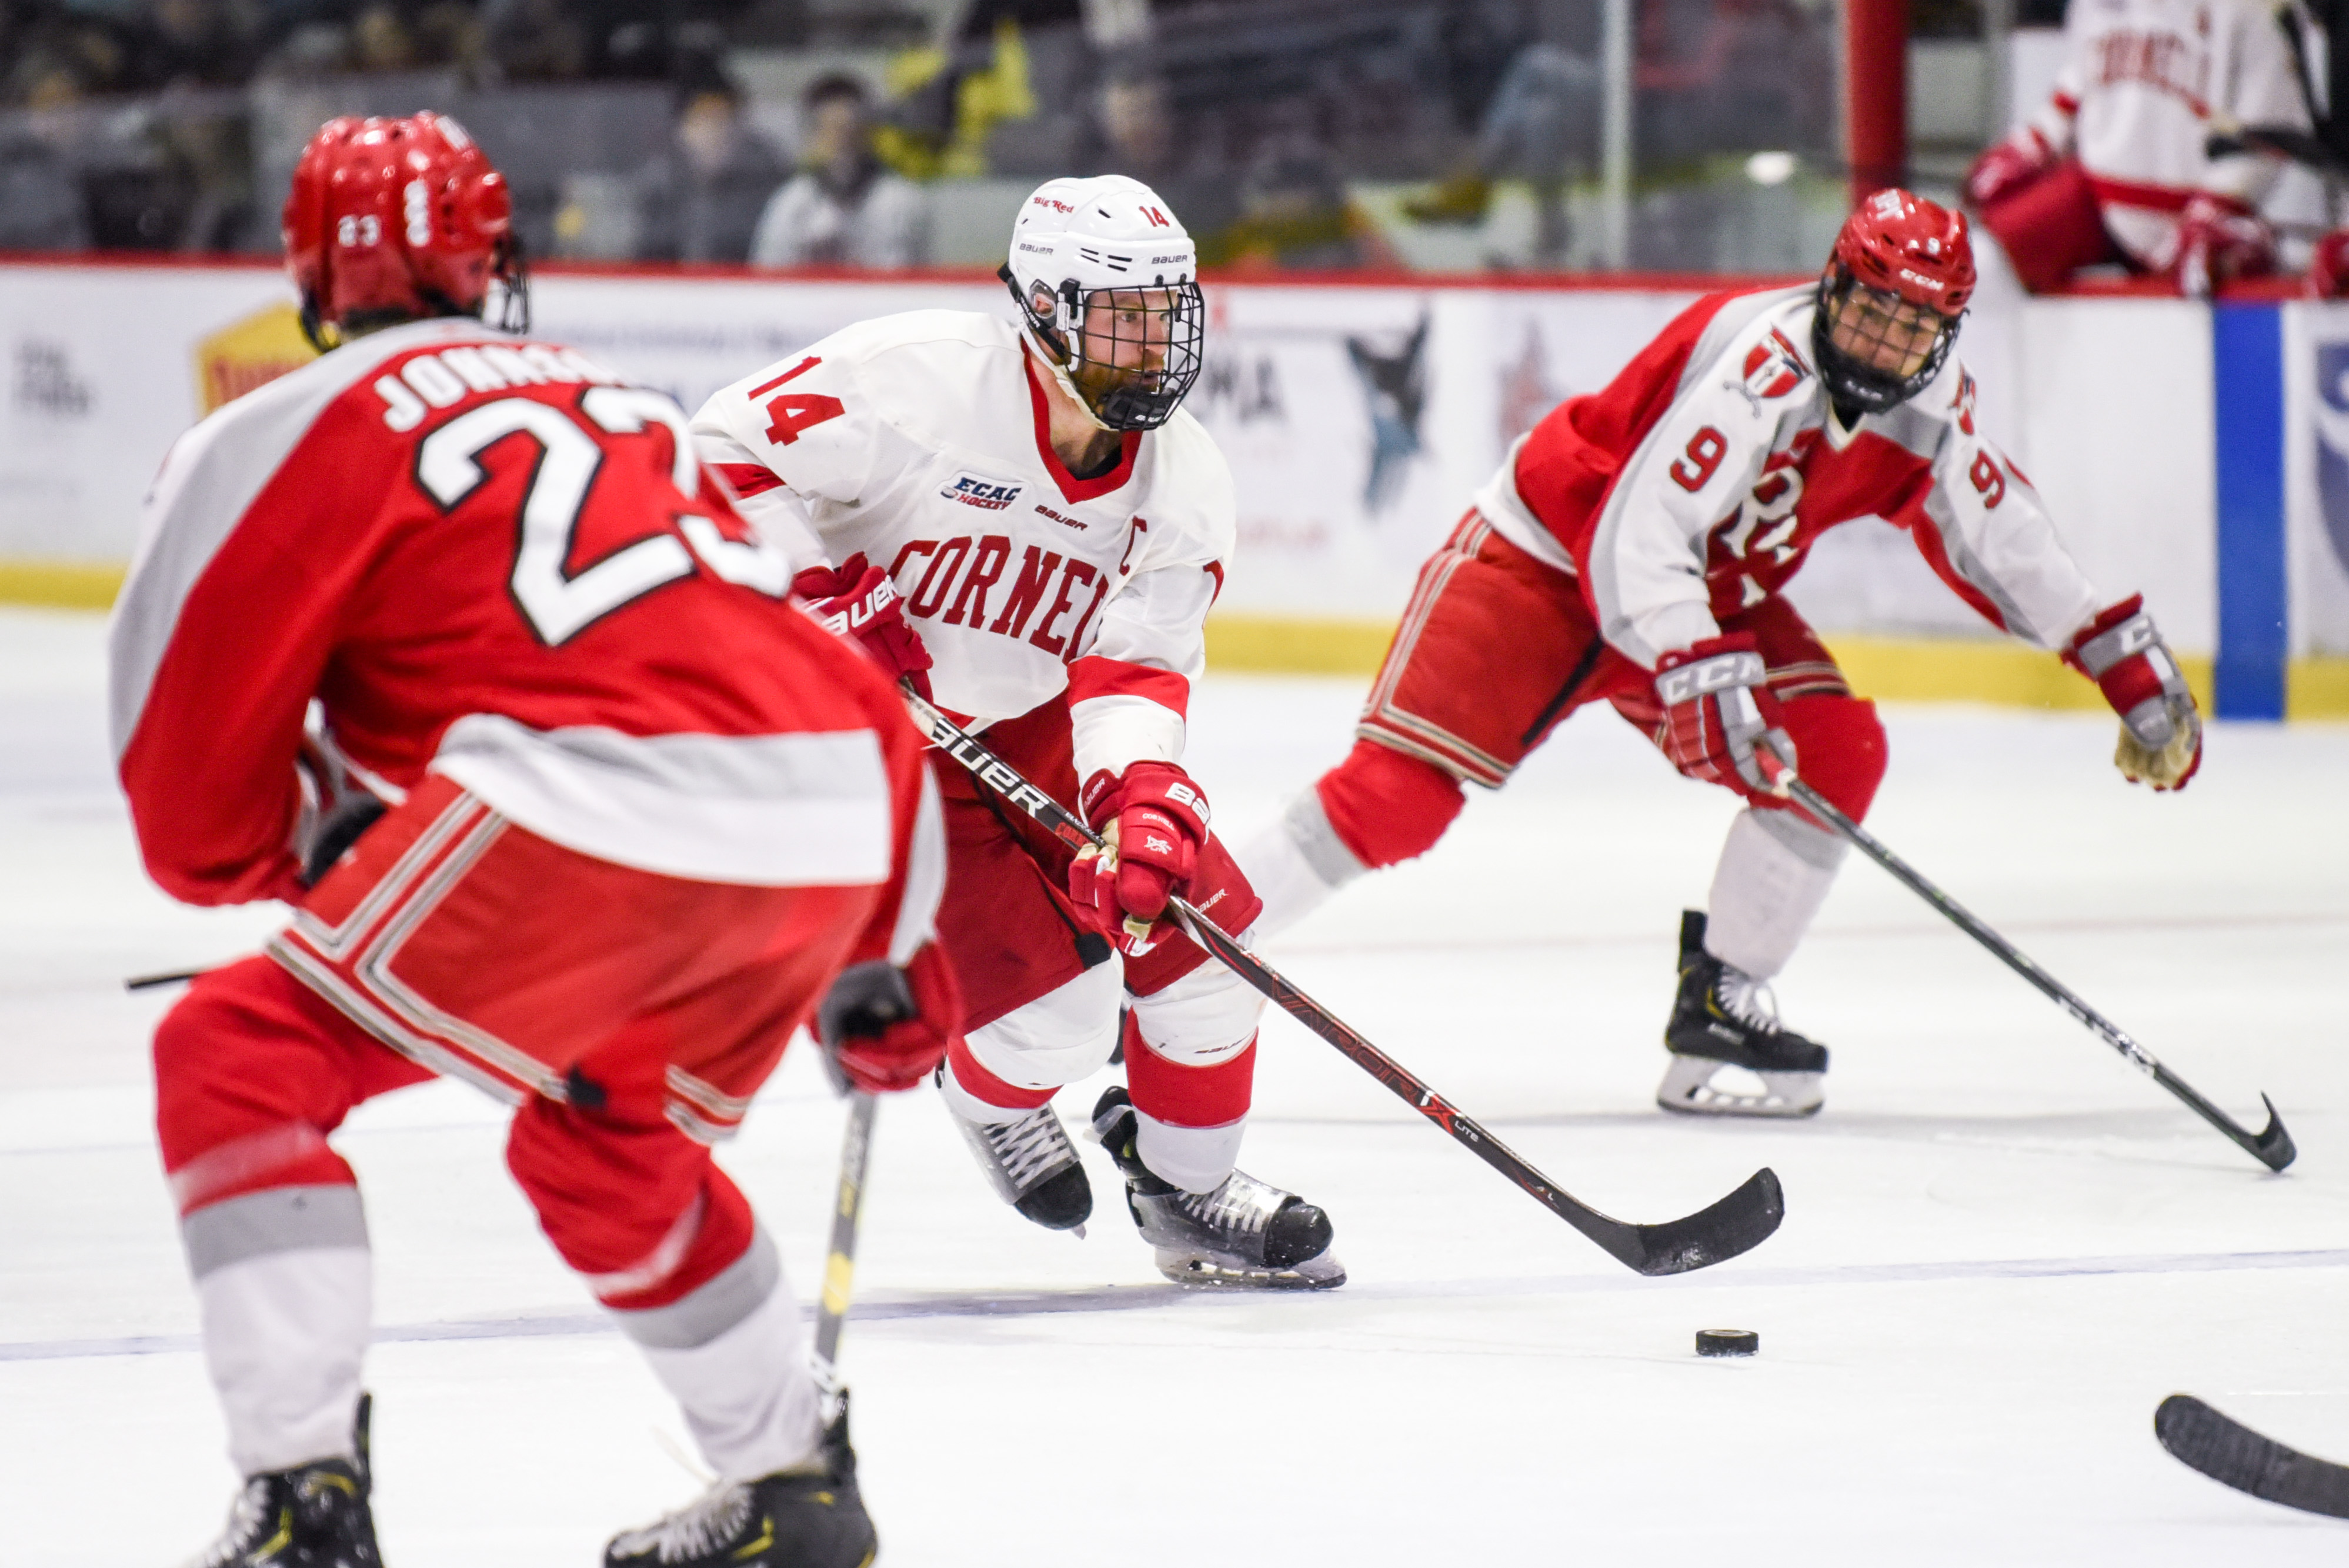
1697,482
489,558
922,442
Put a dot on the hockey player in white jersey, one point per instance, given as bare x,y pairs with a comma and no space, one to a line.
1019,518
2115,167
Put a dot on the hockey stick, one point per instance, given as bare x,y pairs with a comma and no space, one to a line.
840,1257
2273,1148
1734,1225
2232,1453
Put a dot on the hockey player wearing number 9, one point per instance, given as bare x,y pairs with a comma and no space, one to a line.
1018,516
590,815
1633,549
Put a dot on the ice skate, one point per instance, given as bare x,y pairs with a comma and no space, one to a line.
313,1516
1033,1166
1246,1233
1724,1017
791,1519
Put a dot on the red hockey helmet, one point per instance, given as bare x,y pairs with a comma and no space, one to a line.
1890,299
389,220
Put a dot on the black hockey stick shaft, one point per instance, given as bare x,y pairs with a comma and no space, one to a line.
2273,1148
2233,1454
1735,1224
840,1256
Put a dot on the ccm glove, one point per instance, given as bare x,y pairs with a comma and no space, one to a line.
1154,820
860,602
2161,732
1722,723
885,1028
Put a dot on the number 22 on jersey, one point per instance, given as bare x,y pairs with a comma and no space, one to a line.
557,604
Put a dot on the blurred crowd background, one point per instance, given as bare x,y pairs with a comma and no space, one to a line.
1302,135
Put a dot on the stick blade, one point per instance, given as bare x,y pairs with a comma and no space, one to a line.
2273,1147
1738,1224
2233,1454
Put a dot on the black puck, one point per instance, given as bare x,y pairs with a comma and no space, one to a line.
1727,1342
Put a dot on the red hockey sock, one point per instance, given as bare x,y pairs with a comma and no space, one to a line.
1387,806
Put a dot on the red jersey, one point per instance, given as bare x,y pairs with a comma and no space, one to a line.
491,559
1697,482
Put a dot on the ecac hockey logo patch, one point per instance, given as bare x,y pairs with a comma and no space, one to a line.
977,489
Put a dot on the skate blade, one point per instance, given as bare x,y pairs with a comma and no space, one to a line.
1205,1271
1689,1090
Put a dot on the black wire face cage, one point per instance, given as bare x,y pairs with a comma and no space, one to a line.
1887,322
1143,354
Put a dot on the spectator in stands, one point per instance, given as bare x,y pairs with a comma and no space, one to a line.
41,206
1135,119
700,199
844,208
1540,125
2118,166
1295,213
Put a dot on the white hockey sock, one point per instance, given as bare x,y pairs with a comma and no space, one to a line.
1195,1159
734,1356
1775,873
285,1285
1295,864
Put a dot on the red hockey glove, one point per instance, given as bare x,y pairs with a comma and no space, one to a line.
886,1028
2008,166
860,602
1719,712
2220,238
2328,267
1154,819
2161,732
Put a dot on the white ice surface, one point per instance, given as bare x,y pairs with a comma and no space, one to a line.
2003,1246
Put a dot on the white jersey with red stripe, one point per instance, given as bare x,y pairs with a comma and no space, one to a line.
2145,84
921,442
1696,481
490,558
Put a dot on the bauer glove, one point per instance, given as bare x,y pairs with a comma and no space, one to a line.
1722,723
2161,732
860,602
1154,818
885,1028
2220,238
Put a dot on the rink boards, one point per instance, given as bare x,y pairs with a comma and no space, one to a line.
2200,455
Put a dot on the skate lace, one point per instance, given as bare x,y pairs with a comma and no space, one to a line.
695,1530
1749,1001
1242,1204
1028,1146
245,1517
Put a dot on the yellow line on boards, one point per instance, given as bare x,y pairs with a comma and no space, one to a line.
59,585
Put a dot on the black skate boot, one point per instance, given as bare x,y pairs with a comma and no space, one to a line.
313,1516
816,1520
1724,1017
1246,1232
1032,1166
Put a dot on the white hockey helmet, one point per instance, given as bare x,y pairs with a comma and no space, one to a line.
1107,251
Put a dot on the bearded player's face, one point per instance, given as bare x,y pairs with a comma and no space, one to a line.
1125,337
1884,331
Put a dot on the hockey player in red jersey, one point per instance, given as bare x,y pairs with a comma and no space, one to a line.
1021,518
584,811
1633,549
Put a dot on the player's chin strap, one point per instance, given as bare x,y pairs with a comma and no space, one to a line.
1734,1225
2273,1147
1041,338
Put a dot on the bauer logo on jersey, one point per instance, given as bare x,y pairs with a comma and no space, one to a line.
1773,369
977,489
